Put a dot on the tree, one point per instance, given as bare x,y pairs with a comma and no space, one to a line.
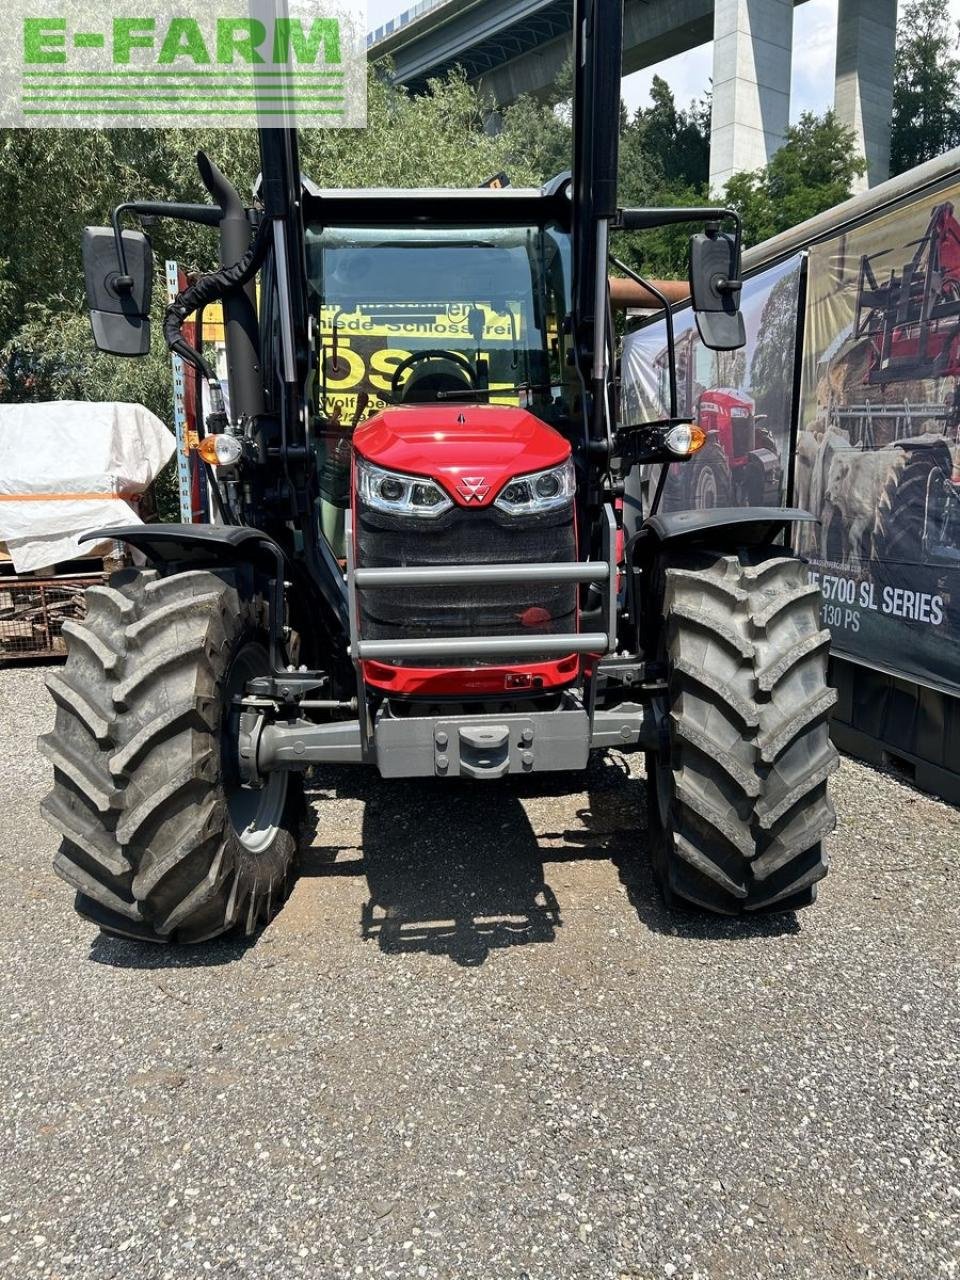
771,368
678,140
664,160
926,86
811,172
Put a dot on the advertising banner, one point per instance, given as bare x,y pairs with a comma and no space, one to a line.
877,444
742,399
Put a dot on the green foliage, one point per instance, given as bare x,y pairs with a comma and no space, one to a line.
677,140
926,87
664,161
811,172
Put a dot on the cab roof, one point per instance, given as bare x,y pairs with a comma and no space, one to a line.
442,206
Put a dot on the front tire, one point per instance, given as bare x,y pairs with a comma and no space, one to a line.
737,793
160,840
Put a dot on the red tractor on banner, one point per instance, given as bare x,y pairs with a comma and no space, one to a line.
740,464
912,321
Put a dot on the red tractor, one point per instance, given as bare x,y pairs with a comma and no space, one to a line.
506,603
912,322
739,463
913,319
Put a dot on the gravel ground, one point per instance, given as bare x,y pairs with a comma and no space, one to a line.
475,1045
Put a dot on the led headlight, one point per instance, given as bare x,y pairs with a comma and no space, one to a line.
399,495
685,439
541,491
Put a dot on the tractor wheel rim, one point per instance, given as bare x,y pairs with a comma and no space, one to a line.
706,489
255,815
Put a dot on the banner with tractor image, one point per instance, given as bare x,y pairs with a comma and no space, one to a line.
742,399
876,456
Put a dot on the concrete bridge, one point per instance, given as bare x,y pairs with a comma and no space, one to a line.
513,47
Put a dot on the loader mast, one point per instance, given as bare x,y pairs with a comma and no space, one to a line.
598,54
282,206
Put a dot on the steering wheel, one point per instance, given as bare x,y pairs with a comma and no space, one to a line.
434,353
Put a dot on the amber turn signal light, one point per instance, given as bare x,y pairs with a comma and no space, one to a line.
685,439
219,450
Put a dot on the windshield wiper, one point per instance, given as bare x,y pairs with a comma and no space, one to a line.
474,392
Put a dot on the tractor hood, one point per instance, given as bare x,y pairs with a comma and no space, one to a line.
471,450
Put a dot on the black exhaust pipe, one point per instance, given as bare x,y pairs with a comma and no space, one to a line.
241,328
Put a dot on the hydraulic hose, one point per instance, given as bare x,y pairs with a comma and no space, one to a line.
207,289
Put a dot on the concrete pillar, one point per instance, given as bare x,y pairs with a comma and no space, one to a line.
866,38
752,48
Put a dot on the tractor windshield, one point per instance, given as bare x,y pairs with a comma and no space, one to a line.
438,316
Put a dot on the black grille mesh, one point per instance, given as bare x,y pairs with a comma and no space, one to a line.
742,436
466,537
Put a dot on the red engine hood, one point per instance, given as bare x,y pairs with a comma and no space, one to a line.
473,451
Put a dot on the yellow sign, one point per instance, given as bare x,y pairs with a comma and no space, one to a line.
212,322
361,350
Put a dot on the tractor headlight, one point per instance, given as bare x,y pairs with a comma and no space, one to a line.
399,495
541,491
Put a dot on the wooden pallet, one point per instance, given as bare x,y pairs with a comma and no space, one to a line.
33,611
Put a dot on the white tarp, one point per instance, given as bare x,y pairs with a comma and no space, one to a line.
57,459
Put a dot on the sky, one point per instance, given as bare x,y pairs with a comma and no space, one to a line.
688,74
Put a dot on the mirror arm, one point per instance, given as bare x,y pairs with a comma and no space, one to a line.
647,219
668,317
208,215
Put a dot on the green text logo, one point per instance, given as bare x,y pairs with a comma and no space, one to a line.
297,62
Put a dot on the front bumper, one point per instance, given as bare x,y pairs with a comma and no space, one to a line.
482,747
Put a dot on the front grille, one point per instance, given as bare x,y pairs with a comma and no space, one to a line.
462,537
742,436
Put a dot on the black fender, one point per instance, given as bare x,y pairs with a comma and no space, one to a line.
195,545
723,526
187,546
173,548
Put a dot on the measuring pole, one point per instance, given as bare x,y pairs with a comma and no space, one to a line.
191,485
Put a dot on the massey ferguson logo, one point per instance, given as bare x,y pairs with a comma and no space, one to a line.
473,488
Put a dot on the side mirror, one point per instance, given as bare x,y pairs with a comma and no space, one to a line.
715,288
118,293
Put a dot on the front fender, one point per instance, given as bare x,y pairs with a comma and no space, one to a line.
195,545
722,526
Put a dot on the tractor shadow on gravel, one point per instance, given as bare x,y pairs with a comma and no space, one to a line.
451,869
124,953
457,869
615,825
